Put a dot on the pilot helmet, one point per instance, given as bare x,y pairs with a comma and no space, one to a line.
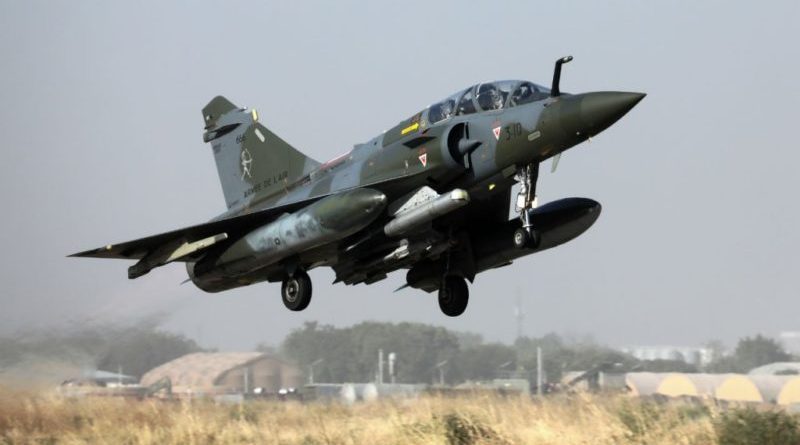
489,97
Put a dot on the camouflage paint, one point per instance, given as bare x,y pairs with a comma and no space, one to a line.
315,211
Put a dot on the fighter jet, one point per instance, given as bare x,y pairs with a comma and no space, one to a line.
431,196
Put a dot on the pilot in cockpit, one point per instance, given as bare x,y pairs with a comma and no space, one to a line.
489,97
447,109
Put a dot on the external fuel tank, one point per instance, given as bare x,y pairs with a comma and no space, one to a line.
330,219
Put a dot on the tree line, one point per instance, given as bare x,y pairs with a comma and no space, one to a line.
424,353
350,354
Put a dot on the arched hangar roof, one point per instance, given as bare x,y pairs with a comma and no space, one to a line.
750,388
200,369
694,385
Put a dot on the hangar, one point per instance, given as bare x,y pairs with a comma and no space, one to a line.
672,384
783,390
693,385
777,368
213,373
750,388
790,392
643,383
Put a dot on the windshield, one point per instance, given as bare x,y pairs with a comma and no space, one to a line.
442,110
459,103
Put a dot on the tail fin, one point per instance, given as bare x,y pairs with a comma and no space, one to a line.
252,161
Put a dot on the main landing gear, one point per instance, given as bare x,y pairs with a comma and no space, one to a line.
296,291
453,295
526,236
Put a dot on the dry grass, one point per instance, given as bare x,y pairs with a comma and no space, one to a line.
32,418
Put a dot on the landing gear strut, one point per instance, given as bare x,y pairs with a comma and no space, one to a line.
453,295
526,236
296,291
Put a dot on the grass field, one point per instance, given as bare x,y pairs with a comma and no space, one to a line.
480,419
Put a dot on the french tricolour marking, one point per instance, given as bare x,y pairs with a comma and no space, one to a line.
496,131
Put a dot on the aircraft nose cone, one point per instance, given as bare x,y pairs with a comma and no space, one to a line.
601,109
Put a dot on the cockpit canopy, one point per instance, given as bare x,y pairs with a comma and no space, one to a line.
487,96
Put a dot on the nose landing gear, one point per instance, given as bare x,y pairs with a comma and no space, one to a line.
526,236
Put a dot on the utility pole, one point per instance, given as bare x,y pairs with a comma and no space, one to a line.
392,360
380,366
519,315
311,370
440,366
539,379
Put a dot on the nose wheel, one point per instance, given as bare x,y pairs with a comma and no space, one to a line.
296,291
526,236
453,295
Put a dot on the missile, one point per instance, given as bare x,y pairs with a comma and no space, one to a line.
426,212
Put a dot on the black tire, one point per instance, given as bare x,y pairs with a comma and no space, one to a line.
453,296
521,238
296,291
524,239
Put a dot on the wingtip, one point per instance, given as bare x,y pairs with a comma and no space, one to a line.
85,253
92,252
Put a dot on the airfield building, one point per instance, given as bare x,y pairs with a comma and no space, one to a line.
777,368
750,388
738,388
690,354
218,373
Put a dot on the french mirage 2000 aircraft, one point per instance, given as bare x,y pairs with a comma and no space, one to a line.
431,195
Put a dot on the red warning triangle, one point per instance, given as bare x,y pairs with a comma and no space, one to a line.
496,131
423,158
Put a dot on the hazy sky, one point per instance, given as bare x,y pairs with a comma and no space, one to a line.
102,140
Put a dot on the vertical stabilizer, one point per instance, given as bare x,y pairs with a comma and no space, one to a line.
252,161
